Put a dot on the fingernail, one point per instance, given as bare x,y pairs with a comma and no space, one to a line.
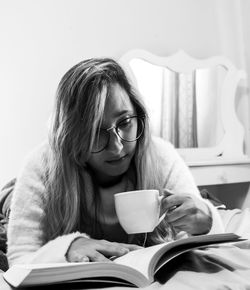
85,259
124,250
171,209
168,191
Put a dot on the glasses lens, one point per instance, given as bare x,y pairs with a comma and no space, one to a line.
130,129
101,141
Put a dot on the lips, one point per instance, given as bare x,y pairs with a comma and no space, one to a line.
116,160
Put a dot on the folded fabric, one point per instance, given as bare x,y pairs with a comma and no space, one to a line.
214,200
5,199
3,262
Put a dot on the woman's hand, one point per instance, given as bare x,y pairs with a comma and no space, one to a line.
187,213
91,250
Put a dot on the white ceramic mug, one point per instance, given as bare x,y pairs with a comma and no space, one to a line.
138,211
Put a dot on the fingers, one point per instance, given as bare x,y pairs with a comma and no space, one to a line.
90,256
171,202
186,212
181,207
96,256
131,247
165,201
90,250
188,215
110,249
78,257
167,192
178,209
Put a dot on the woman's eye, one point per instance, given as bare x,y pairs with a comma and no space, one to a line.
125,123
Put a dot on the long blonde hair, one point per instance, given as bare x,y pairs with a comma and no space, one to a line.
79,108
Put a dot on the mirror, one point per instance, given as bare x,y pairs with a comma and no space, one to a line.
191,102
183,107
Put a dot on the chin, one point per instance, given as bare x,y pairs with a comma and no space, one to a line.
114,172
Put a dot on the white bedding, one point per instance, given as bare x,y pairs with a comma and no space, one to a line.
220,267
217,268
226,267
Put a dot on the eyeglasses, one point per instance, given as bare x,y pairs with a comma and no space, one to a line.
129,129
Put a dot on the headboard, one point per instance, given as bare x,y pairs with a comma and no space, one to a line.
181,84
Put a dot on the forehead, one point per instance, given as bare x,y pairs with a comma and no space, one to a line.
118,103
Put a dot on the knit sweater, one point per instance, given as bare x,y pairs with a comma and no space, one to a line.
25,243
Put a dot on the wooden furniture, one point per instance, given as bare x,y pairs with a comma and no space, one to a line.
225,161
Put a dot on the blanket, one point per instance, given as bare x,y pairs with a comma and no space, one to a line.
215,268
5,198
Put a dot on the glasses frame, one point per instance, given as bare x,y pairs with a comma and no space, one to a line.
140,117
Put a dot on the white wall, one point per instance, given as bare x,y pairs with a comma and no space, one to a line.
41,39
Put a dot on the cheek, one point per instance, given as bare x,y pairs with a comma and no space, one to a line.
97,159
94,160
130,147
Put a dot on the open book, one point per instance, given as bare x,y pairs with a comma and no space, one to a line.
137,268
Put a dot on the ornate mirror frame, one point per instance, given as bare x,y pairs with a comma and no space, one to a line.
231,148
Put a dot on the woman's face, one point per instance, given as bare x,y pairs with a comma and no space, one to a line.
114,160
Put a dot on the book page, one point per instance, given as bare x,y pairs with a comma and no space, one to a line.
44,274
137,266
146,260
140,259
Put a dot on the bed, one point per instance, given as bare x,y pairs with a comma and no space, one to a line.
223,267
218,161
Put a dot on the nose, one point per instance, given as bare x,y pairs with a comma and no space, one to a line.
115,143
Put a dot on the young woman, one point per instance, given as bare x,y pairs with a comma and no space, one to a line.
99,144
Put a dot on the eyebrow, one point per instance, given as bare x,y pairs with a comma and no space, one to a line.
123,112
119,114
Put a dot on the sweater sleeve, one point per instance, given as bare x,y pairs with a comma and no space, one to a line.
180,180
24,230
